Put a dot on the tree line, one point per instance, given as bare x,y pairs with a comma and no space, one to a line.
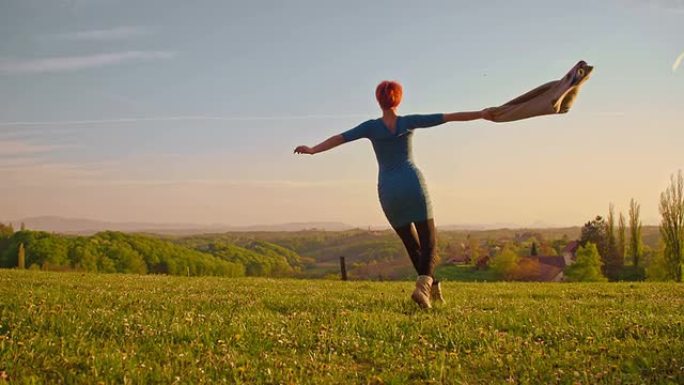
625,256
616,252
116,252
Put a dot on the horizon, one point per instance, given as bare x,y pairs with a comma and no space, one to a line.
47,223
172,113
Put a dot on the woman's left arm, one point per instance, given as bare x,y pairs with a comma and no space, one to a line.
431,120
468,115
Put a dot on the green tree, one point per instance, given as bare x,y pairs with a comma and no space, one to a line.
622,237
657,269
126,259
83,256
42,249
547,249
613,263
6,231
559,244
594,232
110,252
505,263
473,246
672,225
49,251
21,257
105,265
587,267
533,250
635,248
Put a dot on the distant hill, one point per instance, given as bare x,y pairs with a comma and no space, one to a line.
81,226
481,226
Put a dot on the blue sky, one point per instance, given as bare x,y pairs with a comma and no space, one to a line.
169,111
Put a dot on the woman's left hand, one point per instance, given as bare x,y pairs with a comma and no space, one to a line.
304,150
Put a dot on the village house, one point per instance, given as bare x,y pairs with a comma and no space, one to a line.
551,267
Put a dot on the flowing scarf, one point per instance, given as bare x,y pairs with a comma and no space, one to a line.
555,97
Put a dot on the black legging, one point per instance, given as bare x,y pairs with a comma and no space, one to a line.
421,247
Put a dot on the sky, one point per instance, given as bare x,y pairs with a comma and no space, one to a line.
188,112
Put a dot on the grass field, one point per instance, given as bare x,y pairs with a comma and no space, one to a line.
464,273
74,328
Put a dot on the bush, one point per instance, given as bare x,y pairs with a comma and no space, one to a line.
505,264
631,273
657,269
587,267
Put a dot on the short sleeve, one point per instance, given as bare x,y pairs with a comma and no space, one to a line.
358,132
423,121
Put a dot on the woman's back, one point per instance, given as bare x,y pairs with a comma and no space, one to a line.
393,148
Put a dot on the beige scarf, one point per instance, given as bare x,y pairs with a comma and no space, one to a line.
554,97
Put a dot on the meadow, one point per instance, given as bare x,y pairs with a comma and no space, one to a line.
145,329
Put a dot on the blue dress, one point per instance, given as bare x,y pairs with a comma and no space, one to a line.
401,186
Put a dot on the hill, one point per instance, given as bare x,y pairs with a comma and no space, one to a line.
82,226
372,254
115,252
369,254
88,328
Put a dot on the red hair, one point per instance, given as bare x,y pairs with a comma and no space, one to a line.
388,93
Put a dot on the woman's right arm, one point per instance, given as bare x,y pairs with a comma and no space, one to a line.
325,145
360,131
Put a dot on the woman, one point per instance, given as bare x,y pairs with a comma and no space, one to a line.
401,187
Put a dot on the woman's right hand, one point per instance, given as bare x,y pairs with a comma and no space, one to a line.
304,150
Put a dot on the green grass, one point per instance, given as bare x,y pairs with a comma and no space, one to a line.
464,273
74,328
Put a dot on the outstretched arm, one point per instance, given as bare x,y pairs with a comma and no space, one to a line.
325,145
431,120
468,115
360,131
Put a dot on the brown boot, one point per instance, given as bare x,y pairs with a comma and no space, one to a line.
436,292
421,295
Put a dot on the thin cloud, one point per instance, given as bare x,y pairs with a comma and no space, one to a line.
677,62
118,33
671,5
16,148
225,183
661,7
36,172
676,6
19,161
176,118
75,63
